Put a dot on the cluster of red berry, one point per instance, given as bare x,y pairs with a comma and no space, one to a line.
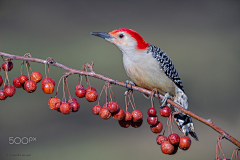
64,107
125,119
28,83
72,105
111,109
89,93
170,144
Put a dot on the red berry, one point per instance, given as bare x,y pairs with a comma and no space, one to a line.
104,113
90,89
137,115
156,128
96,109
36,76
124,124
174,139
79,86
72,100
30,86
16,83
165,111
2,95
9,90
45,80
137,124
160,139
91,96
65,108
119,115
113,107
184,143
152,120
80,92
151,112
23,79
1,81
128,116
167,148
7,66
75,106
48,87
54,103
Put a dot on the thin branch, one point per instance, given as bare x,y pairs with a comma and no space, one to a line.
50,61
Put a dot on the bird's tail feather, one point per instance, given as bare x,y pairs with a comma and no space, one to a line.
186,125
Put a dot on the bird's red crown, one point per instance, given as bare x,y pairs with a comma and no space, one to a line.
141,44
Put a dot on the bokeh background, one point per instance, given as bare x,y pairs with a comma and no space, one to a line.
201,37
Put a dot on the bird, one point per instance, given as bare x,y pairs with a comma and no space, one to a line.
150,67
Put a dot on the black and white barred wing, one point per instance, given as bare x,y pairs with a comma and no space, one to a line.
166,65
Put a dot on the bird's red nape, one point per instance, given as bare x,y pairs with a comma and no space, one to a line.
141,44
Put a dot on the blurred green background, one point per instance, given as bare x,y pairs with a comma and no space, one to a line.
201,37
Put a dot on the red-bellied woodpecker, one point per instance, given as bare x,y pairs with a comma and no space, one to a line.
149,67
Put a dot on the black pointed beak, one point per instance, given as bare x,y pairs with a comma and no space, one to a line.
102,35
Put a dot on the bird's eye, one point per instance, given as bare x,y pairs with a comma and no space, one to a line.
121,35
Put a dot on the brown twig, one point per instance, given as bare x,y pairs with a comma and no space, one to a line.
113,81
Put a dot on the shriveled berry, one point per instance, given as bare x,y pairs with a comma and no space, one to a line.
128,116
160,139
156,128
7,66
113,107
54,103
16,82
165,111
174,139
119,115
47,79
151,112
104,113
30,86
75,106
80,92
152,120
2,95
185,143
72,100
48,87
167,148
79,86
23,79
91,96
65,108
137,124
9,90
90,89
96,109
1,80
124,124
137,115
36,76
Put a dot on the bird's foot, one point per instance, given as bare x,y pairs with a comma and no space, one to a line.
131,83
164,101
